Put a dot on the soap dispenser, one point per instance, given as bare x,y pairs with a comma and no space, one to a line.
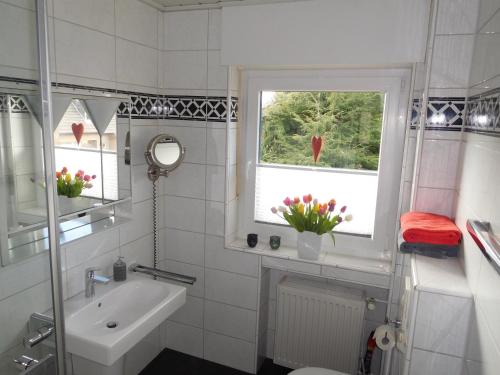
119,270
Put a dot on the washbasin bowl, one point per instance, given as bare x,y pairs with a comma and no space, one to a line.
105,327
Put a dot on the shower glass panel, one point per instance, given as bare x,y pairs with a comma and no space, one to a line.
25,287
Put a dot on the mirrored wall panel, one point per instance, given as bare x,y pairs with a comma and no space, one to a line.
92,168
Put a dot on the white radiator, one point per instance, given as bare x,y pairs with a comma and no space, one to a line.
318,325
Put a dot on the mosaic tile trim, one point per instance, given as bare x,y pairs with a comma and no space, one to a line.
194,108
443,113
483,113
14,103
153,106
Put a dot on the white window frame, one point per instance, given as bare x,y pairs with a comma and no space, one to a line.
395,83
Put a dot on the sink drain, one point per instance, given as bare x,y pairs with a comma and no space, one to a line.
112,324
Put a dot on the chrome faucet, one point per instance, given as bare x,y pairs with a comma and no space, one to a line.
91,279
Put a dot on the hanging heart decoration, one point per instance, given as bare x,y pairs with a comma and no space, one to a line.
77,131
316,145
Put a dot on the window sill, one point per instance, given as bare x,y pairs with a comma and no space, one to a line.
335,266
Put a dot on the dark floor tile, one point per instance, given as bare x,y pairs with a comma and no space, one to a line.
170,362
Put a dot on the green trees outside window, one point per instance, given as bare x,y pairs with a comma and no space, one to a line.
350,124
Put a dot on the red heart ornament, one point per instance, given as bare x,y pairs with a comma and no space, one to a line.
316,145
77,131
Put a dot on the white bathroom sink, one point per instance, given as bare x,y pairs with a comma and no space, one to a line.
137,306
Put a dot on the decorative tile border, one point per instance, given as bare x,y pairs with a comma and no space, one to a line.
13,103
443,113
152,106
483,113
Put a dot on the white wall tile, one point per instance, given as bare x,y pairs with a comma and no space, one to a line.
488,298
214,222
216,146
214,28
194,139
185,69
229,352
457,16
185,214
21,276
486,56
493,25
76,275
217,257
187,247
188,180
438,201
94,14
451,61
183,338
136,64
137,21
442,323
215,182
141,184
186,30
15,312
139,138
142,353
483,354
217,73
139,251
230,320
19,25
141,223
439,164
425,363
191,313
486,9
195,290
83,52
231,288
89,247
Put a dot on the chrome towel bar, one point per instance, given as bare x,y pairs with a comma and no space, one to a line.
486,240
162,274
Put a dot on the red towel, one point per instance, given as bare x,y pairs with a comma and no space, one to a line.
423,227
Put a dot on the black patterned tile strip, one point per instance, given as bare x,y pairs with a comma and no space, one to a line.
483,113
443,113
13,103
152,106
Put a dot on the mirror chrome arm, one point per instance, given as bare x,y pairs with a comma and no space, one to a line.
162,274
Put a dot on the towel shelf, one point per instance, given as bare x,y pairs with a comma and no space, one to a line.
486,240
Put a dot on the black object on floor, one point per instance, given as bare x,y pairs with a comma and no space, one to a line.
170,362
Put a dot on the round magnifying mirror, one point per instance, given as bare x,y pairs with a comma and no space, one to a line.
164,152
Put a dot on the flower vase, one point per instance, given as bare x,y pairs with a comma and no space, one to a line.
308,245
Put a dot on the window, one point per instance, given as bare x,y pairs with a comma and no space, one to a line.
334,134
346,127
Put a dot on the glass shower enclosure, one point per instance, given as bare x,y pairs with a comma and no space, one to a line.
31,310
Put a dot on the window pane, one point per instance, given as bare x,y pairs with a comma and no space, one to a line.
349,124
346,127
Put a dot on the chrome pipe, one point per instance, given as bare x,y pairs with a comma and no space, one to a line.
162,274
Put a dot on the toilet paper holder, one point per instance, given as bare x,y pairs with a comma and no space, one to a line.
395,322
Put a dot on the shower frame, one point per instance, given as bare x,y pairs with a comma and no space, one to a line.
51,189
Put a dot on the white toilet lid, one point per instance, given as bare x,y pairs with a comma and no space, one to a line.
315,371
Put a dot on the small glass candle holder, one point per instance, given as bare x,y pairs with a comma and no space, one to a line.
252,239
275,242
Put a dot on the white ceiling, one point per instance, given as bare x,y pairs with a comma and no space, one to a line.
173,4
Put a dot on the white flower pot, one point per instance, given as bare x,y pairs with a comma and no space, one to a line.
308,245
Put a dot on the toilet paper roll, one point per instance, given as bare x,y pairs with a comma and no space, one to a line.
384,337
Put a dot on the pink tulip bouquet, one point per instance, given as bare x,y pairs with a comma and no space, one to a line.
310,215
72,187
